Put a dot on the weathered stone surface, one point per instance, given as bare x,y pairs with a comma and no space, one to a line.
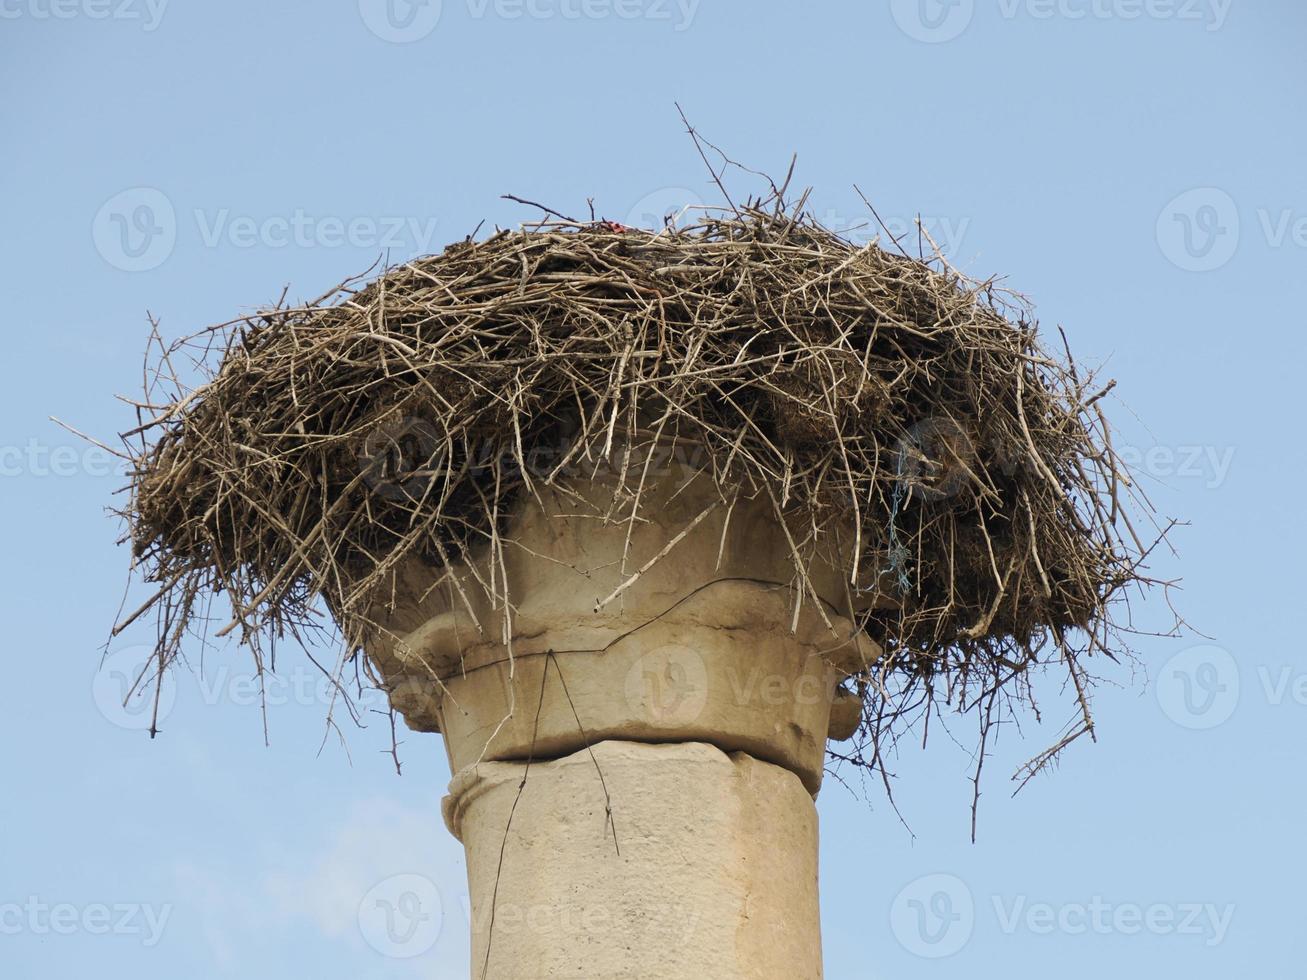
744,684
845,714
695,672
569,547
706,869
717,641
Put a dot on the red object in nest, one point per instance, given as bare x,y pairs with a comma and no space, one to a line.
613,226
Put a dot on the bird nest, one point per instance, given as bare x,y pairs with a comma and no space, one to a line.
869,392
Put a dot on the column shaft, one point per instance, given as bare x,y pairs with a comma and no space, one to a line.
682,862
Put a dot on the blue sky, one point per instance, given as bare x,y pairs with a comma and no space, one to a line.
1134,166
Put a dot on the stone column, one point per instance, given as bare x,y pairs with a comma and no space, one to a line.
635,756
706,868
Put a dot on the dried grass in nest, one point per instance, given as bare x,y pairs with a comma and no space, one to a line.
859,387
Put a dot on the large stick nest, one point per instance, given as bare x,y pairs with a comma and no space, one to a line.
865,390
